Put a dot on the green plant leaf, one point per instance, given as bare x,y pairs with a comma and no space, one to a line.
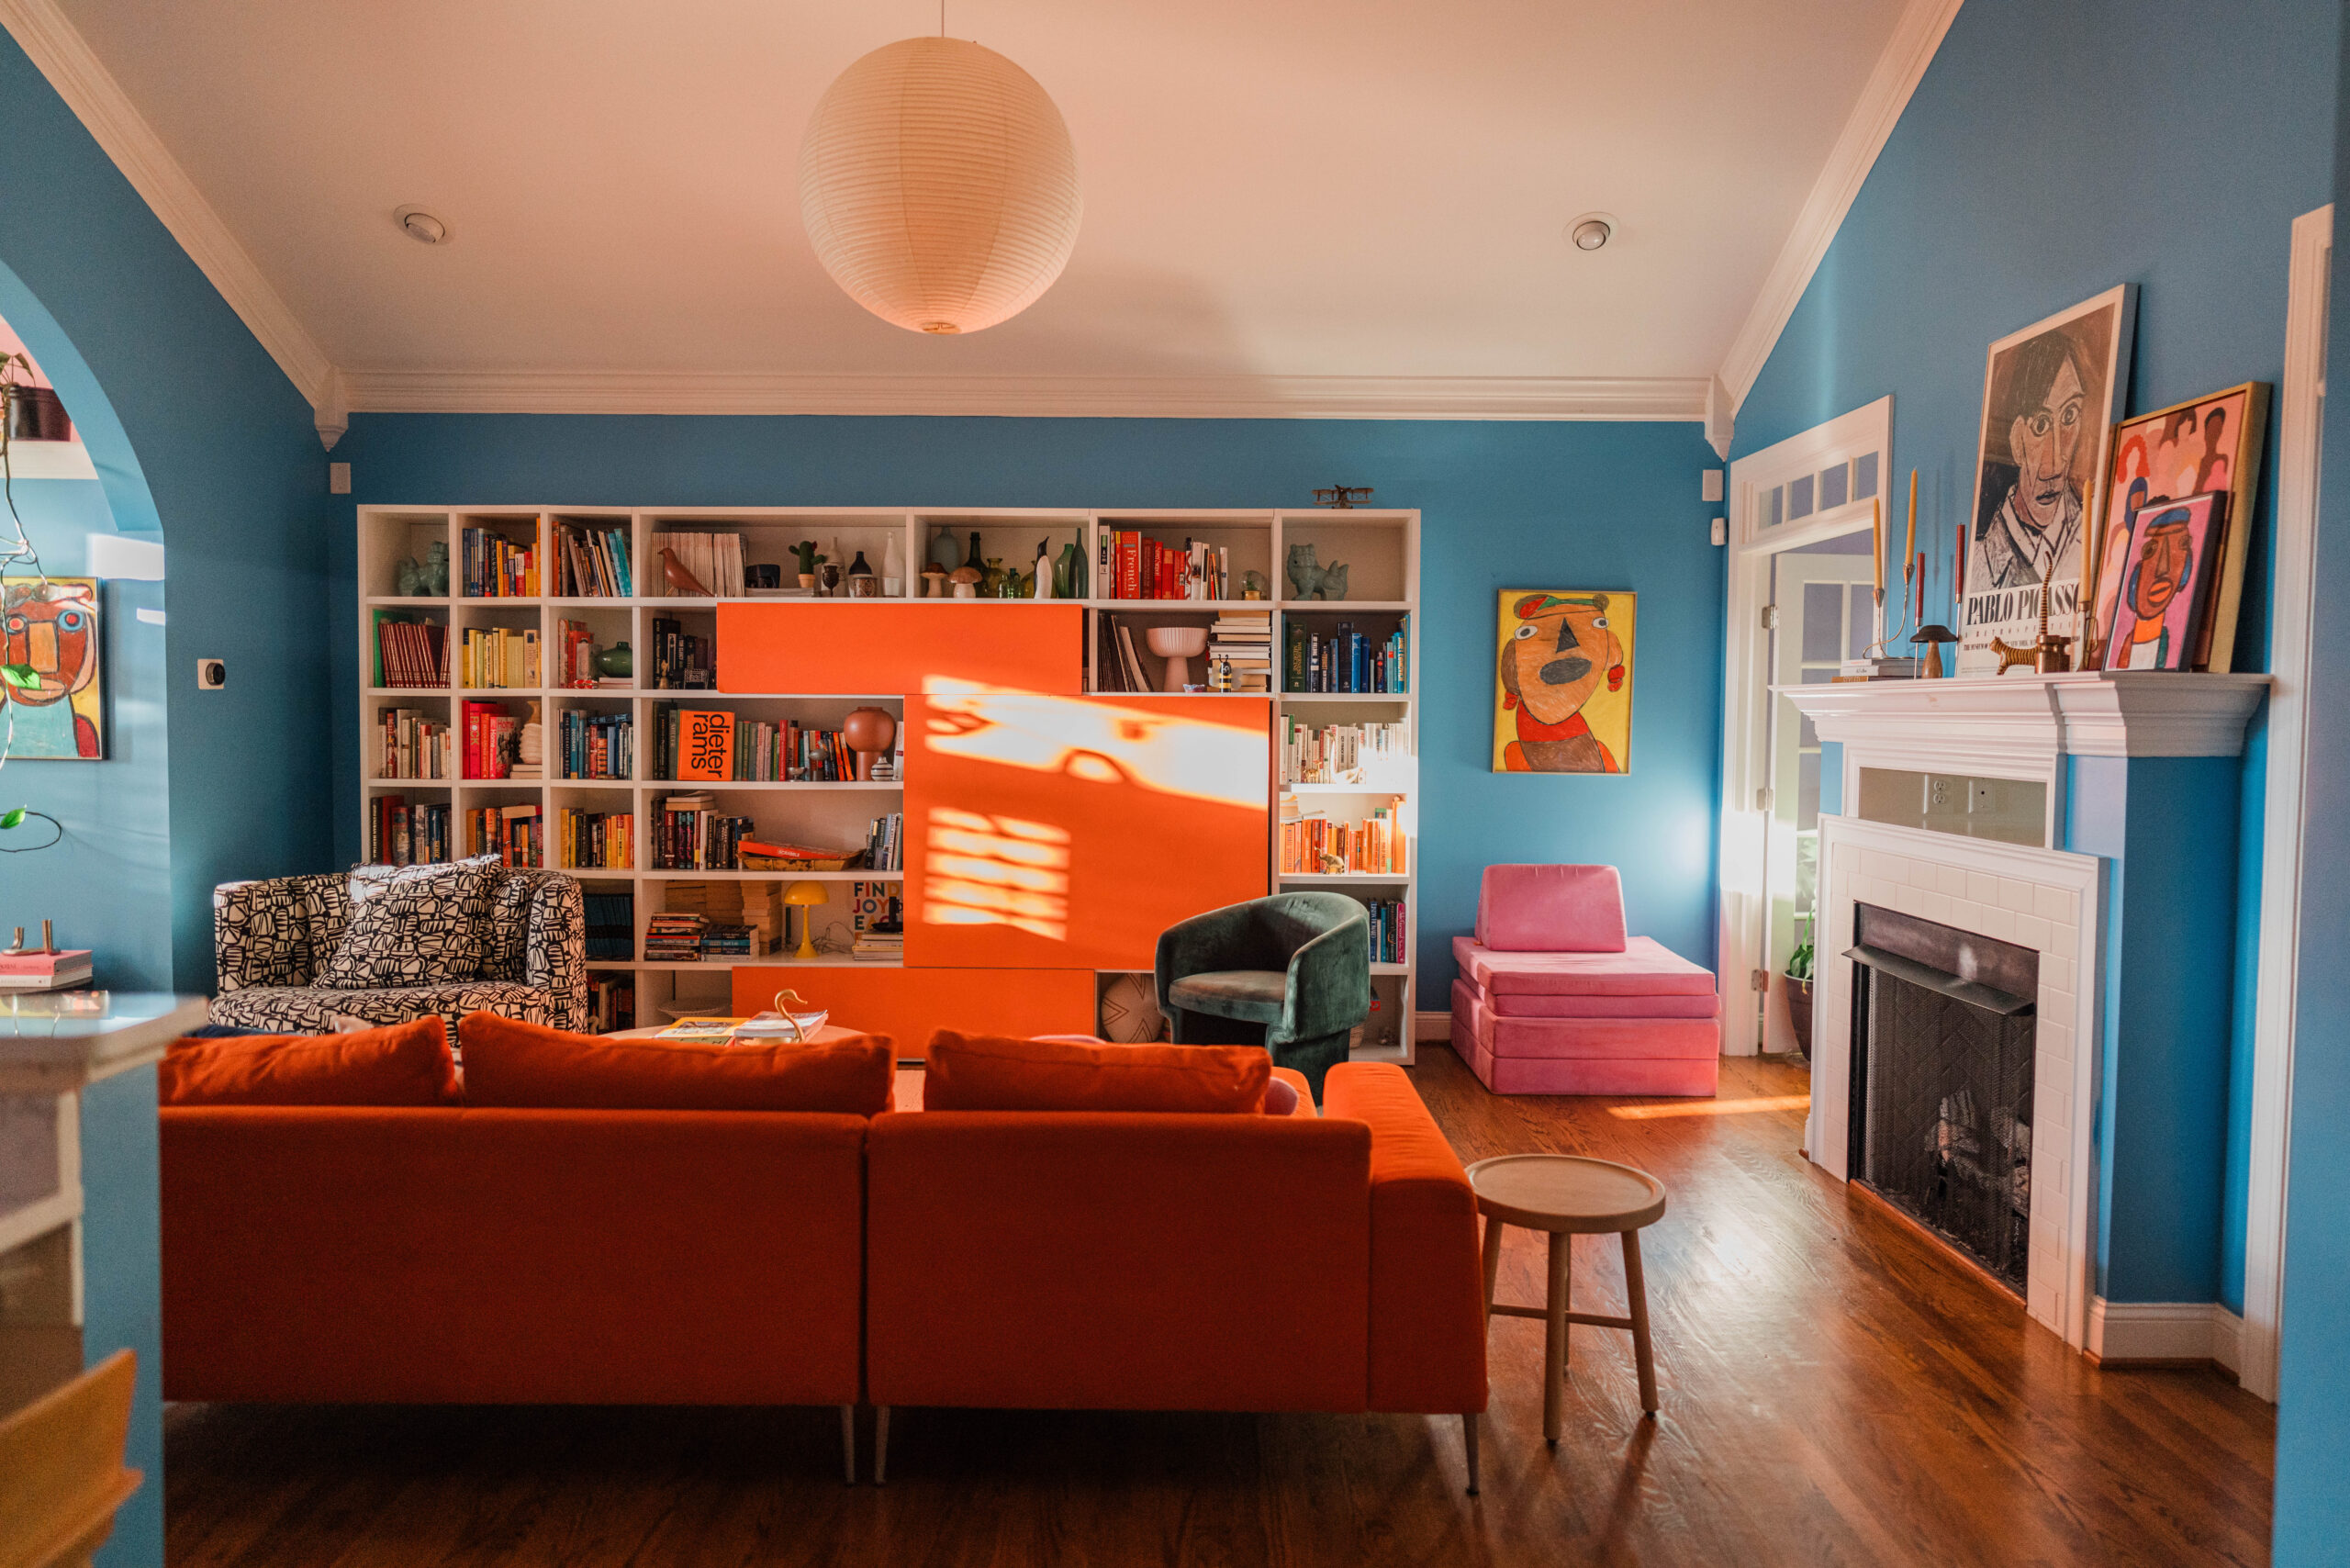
14,817
22,675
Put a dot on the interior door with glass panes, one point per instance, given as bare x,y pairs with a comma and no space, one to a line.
1826,599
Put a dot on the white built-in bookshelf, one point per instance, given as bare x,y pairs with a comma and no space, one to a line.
1381,549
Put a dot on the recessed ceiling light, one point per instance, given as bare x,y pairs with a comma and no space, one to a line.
1590,230
421,226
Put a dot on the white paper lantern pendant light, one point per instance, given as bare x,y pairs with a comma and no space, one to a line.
939,185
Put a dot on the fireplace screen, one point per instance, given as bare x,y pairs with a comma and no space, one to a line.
1943,1081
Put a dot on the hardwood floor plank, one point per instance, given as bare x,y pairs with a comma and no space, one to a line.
1835,1389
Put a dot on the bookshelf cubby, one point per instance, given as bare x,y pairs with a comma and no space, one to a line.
1381,549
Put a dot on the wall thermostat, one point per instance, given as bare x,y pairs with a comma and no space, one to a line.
211,675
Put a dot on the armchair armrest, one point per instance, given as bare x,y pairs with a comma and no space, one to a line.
555,957
1427,1309
1330,982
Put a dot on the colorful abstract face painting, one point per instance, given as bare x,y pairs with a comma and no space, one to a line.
1562,691
53,629
2163,585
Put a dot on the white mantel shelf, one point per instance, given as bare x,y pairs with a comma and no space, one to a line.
2030,719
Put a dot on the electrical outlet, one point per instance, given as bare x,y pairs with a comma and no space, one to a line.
211,675
1721,530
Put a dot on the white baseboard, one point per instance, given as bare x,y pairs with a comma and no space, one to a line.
2164,1331
1431,1025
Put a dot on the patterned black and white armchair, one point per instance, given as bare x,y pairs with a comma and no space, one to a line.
388,944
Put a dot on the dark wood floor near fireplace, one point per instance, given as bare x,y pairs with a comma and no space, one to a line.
1837,1389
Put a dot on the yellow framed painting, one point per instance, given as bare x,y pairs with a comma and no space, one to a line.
1562,681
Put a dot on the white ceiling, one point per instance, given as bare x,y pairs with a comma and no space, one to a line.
1315,188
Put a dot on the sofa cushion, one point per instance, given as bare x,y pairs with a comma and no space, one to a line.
1551,909
1256,995
1645,967
1615,1038
423,926
531,1066
990,1073
407,1064
1535,1004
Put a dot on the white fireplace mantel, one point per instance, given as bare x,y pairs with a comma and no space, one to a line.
2026,722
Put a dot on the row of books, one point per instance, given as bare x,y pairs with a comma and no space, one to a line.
715,746
495,657
575,664
1135,565
1379,755
715,560
516,834
732,942
412,745
691,834
1387,932
611,1002
410,653
885,843
1240,651
497,567
487,736
1122,671
611,927
673,936
596,746
402,835
1347,661
680,660
591,562
1312,843
593,841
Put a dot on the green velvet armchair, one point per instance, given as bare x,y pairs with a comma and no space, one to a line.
1291,972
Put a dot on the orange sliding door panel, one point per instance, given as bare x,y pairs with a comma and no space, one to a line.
907,1004
1049,832
866,648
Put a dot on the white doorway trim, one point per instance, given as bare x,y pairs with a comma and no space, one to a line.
2301,422
1743,834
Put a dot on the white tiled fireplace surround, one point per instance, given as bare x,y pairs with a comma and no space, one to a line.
2050,900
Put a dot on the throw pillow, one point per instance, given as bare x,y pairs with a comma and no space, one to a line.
407,1064
986,1072
1280,1100
519,1065
421,927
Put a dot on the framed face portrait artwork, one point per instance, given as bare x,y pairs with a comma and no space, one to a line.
2211,445
52,625
1563,684
2162,583
2051,395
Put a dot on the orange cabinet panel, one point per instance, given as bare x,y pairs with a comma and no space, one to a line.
867,648
907,1004
1047,832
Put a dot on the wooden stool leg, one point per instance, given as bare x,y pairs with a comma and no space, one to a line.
1636,1292
1492,1260
1554,1344
1469,1441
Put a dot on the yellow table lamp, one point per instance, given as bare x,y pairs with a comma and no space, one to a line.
808,895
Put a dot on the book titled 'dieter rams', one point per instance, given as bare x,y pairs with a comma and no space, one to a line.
44,971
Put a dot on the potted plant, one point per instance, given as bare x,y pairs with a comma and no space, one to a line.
809,560
1799,987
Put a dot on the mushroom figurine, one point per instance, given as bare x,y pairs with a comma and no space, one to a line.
1934,636
934,583
966,581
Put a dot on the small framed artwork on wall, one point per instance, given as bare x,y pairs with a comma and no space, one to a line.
1562,687
2163,582
49,625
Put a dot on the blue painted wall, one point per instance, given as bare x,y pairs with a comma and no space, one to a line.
197,437
2040,162
1504,505
2312,1516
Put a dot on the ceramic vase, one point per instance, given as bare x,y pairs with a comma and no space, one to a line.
869,732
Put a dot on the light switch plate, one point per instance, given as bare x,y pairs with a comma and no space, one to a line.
339,478
1713,483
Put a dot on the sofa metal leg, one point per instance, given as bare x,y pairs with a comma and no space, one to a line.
880,1444
848,1444
1469,1443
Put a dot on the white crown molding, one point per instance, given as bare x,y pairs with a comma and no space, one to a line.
1906,54
89,89
1110,396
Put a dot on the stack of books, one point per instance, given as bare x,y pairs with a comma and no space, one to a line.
714,559
497,567
885,844
732,942
611,927
880,947
1240,651
1377,754
402,835
591,841
597,745
681,662
673,938
410,653
58,971
591,562
412,746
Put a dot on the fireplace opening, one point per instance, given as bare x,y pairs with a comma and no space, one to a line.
1941,1082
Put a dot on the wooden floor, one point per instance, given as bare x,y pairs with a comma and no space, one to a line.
1835,1391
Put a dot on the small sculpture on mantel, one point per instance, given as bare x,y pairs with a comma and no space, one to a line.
1934,635
1342,498
2049,655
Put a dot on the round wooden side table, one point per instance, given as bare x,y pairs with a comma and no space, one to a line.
1568,1196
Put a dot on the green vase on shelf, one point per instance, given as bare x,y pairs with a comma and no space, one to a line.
616,661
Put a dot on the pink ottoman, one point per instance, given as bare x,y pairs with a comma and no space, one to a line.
1554,998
